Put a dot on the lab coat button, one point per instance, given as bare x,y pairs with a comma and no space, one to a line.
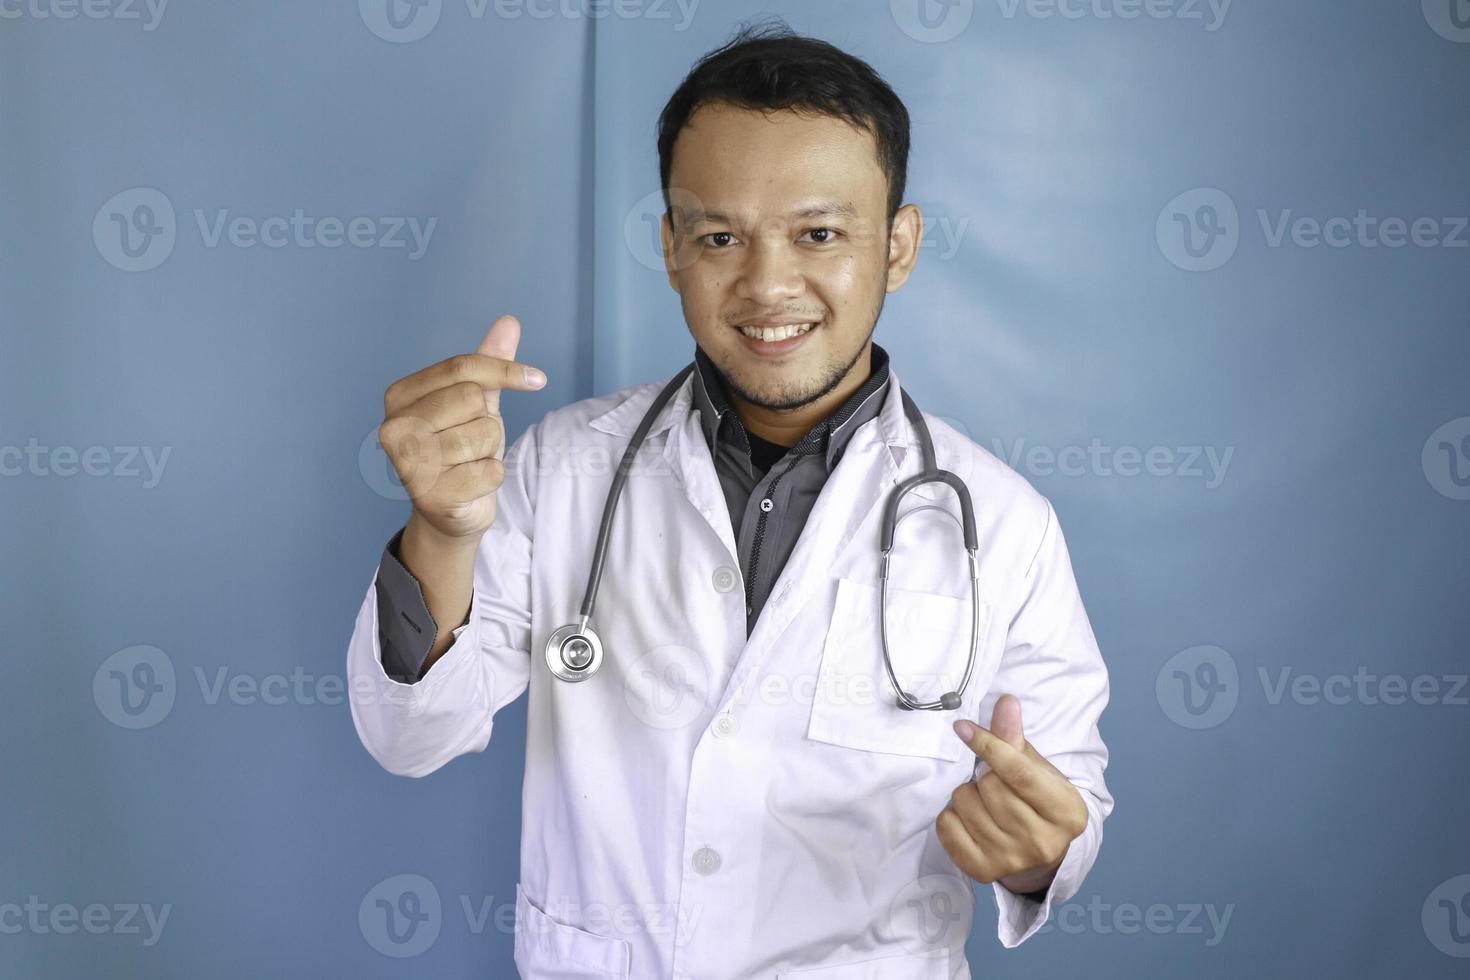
724,578
706,860
725,725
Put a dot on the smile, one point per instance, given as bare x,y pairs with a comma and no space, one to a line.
772,334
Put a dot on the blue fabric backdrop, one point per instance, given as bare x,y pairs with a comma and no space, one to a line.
1198,270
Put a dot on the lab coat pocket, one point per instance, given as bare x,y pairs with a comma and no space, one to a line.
549,950
853,703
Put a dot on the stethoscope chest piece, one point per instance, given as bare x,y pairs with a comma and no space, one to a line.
574,652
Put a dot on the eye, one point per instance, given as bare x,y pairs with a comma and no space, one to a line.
829,235
708,239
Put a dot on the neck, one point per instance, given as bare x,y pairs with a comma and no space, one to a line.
785,427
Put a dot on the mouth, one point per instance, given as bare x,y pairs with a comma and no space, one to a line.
772,341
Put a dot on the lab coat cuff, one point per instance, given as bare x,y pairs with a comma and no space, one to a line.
1019,917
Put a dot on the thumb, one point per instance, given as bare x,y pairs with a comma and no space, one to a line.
500,341
1005,721
1002,746
502,338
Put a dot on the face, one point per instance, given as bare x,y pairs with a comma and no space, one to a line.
779,223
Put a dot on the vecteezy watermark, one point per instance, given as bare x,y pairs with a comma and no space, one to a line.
96,918
403,915
404,21
943,233
148,12
932,21
1450,19
643,231
935,21
122,462
670,686
932,914
137,687
1206,463
1200,230
1446,917
1199,687
1101,917
1209,13
135,230
560,457
1446,459
1362,687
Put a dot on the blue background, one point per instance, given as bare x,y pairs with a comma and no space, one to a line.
1059,161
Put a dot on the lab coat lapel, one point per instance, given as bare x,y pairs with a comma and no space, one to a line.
684,459
687,457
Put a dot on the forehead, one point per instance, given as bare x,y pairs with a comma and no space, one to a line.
748,160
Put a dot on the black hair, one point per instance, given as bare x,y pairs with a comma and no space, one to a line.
771,67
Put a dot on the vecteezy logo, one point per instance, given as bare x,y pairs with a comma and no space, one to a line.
932,914
932,21
400,916
1450,19
668,687
135,230
1199,230
1446,917
400,21
135,687
377,469
1446,459
643,229
1198,687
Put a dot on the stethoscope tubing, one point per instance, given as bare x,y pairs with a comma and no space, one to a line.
589,646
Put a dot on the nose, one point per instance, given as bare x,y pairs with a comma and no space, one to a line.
770,275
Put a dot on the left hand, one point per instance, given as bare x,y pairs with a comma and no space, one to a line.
1014,824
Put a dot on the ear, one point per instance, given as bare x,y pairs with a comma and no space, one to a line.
666,236
903,245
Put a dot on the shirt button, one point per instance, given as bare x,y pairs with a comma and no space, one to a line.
724,578
725,725
767,504
706,860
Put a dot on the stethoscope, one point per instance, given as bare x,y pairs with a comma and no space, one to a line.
574,651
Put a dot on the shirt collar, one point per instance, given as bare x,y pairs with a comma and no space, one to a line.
719,420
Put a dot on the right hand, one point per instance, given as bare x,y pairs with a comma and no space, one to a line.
443,432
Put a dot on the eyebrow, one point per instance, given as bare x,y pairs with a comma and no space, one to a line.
823,209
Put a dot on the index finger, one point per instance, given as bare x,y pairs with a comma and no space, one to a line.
491,373
1024,770
1004,759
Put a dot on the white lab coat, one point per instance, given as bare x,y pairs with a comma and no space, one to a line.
710,805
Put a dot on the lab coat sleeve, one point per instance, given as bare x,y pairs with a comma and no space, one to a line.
414,729
1052,664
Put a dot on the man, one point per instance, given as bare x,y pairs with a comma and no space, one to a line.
738,779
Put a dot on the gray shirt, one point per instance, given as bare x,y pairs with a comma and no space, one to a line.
769,490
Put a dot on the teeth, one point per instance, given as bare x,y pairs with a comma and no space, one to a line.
772,334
